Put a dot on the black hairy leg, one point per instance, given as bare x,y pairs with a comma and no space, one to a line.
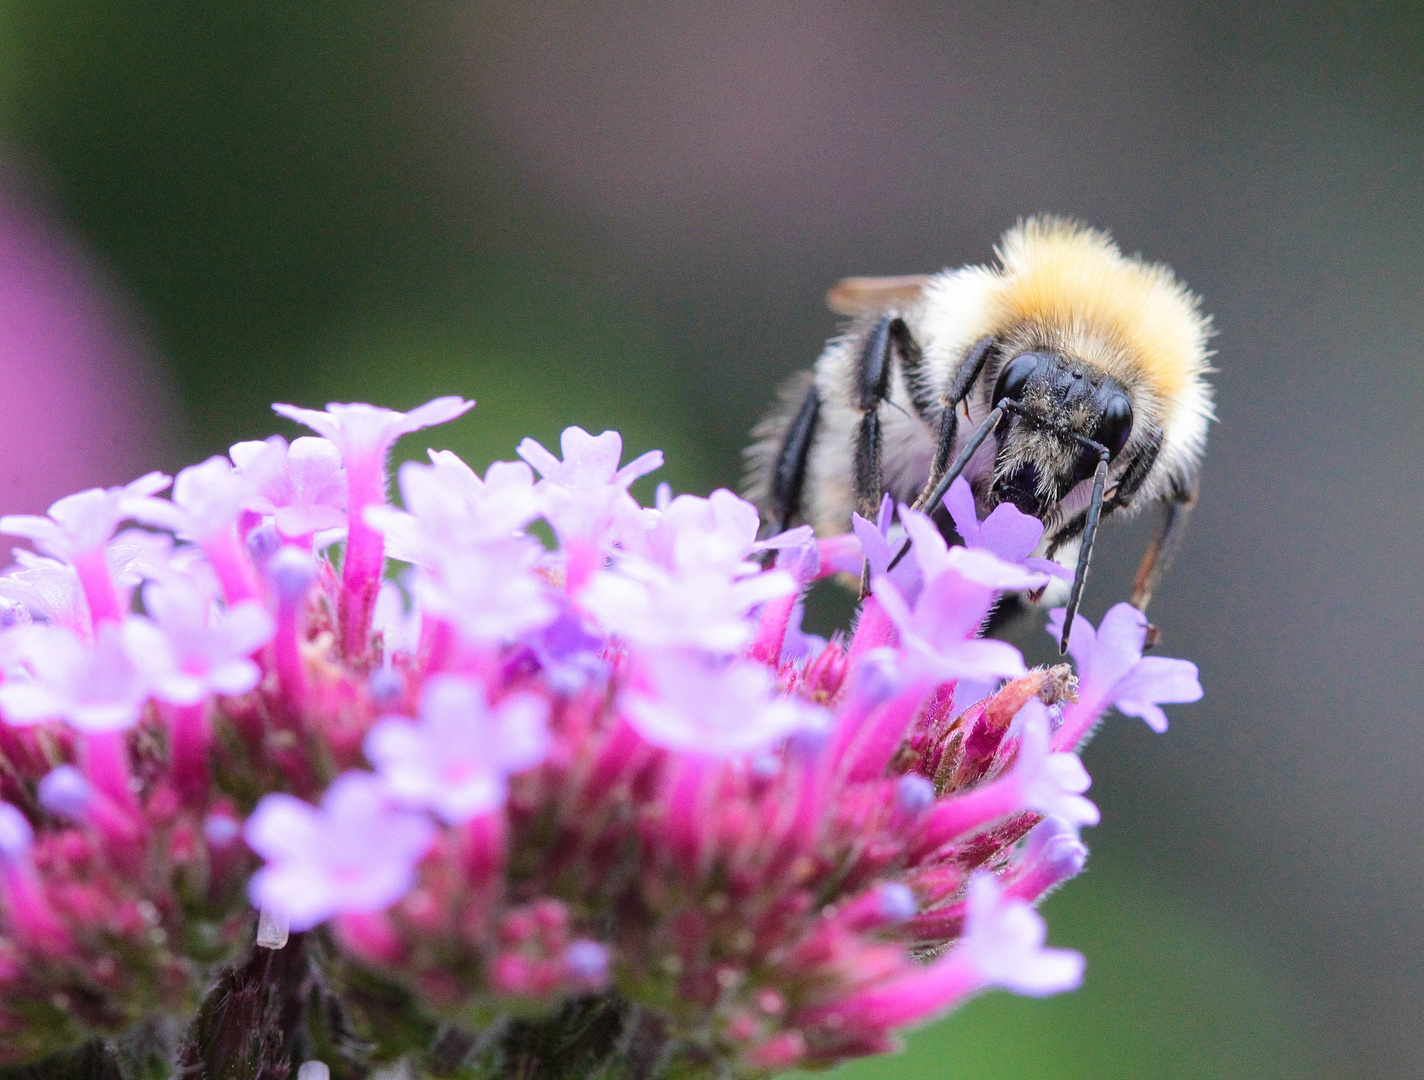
788,473
872,384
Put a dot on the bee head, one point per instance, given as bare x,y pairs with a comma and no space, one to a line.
1059,407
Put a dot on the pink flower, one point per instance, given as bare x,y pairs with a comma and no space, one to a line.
1008,532
619,759
53,675
698,705
354,853
301,485
1041,781
448,507
586,494
456,759
191,649
365,434
1113,672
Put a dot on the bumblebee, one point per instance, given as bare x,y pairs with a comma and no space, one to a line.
1067,379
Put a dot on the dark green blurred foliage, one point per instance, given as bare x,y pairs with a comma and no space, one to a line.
256,176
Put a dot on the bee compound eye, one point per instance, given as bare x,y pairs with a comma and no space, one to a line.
1116,424
1015,376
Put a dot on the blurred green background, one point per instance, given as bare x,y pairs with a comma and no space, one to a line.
625,215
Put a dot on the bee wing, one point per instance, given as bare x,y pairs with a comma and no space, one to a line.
868,295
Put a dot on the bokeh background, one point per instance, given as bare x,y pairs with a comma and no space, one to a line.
624,213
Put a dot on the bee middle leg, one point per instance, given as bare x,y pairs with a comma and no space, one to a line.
887,338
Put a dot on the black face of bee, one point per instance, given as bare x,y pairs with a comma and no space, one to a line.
1062,405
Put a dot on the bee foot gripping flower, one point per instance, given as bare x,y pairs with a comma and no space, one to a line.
605,798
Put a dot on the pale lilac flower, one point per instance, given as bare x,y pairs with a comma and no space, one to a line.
974,564
701,706
716,533
76,530
641,602
51,674
1040,780
449,507
590,461
207,499
457,759
880,551
588,962
354,853
1051,854
191,649
17,836
568,650
490,594
798,645
48,589
1003,942
587,493
1002,946
1050,783
365,434
1008,532
301,485
1113,672
64,792
138,555
896,902
79,524
359,430
939,634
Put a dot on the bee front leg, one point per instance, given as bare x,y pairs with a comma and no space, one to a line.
965,376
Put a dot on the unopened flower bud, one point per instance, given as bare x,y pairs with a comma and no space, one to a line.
65,793
291,573
386,687
16,835
587,961
897,902
220,829
914,794
264,541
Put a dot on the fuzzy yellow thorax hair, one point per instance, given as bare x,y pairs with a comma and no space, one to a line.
1074,279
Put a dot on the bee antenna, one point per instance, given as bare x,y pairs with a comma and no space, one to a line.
1090,531
951,474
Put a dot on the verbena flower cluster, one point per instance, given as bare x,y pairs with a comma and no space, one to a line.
512,773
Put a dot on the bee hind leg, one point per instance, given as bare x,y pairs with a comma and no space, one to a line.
1165,544
788,469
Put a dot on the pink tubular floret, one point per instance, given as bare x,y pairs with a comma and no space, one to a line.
516,773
